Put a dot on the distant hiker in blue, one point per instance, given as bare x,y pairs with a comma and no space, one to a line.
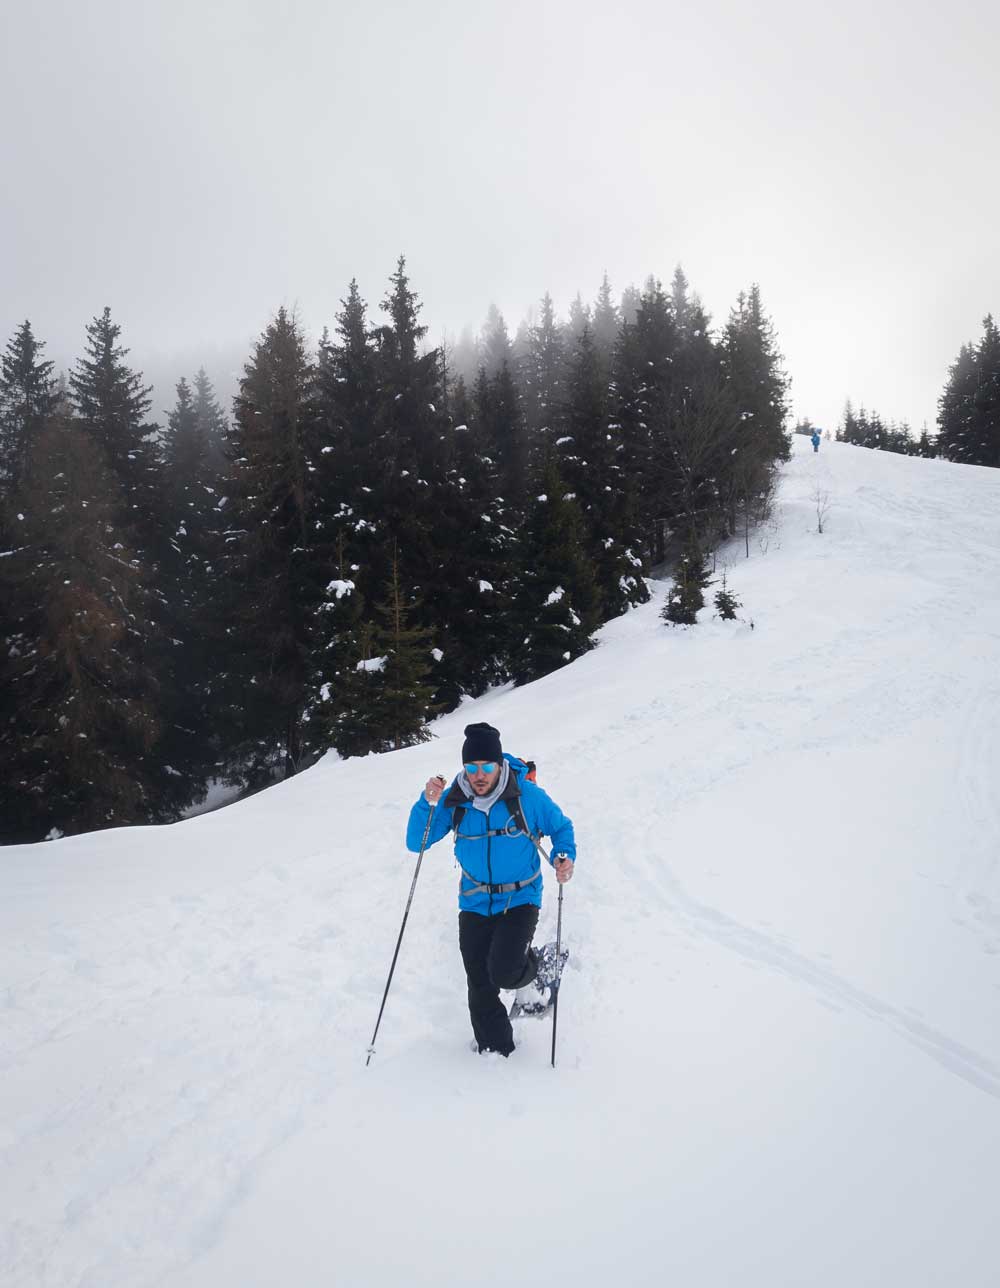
815,440
492,806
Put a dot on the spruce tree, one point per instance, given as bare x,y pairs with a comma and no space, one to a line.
27,398
847,428
82,724
347,470
969,407
543,380
756,388
755,375
189,569
9,630
557,606
630,302
956,406
494,346
579,320
520,349
707,443
726,603
590,464
464,357
334,715
702,433
112,403
211,422
687,594
346,393
681,304
269,606
184,449
346,523
385,701
628,424
927,446
503,437
407,447
651,349
405,698
475,526
409,455
345,711
605,325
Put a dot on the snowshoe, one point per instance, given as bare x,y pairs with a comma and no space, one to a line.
535,999
548,970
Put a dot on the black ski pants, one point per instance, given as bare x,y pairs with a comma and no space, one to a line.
496,953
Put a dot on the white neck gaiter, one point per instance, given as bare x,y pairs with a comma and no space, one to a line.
485,802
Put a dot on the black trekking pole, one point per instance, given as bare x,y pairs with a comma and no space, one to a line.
555,984
413,886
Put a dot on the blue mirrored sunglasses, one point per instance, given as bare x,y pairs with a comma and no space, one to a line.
487,767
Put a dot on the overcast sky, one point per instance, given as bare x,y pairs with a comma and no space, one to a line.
196,165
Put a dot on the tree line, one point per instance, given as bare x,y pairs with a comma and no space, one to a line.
868,429
378,529
968,412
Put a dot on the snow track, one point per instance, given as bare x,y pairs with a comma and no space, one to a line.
760,949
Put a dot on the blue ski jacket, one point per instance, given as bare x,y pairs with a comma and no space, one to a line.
492,849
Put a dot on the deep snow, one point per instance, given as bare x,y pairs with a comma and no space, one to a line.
779,1051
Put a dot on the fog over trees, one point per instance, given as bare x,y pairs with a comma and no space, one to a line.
375,528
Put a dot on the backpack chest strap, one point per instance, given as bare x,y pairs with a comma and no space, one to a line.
511,828
516,825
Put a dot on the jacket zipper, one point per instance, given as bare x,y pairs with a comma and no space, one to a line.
489,865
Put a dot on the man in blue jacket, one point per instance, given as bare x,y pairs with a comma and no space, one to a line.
495,810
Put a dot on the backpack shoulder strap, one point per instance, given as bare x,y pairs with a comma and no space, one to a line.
512,799
517,809
457,802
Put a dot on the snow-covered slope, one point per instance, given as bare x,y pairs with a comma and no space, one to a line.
779,1051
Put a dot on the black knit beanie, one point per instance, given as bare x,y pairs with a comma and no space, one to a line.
482,742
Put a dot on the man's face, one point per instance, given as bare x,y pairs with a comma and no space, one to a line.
482,783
